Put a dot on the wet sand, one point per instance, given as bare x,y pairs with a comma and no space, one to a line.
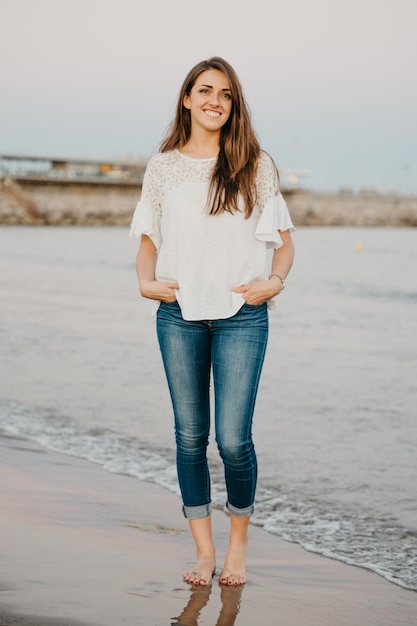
80,545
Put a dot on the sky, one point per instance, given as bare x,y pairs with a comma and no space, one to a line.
331,84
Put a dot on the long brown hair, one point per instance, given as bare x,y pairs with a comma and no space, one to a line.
235,170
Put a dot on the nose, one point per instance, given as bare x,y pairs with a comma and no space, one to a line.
215,99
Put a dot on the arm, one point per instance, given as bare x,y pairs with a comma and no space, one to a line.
282,260
263,290
145,269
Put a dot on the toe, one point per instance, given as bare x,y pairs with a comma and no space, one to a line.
194,578
232,581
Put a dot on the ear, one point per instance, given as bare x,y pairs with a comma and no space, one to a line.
186,102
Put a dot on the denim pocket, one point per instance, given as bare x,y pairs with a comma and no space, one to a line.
253,306
173,303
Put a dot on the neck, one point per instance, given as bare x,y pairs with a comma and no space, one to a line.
201,147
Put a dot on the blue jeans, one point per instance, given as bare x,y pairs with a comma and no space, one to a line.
233,349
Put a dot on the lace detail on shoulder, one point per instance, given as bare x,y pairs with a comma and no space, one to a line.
267,180
167,171
182,169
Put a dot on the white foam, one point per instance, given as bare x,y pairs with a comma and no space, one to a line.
355,537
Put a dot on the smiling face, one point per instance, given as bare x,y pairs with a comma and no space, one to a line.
210,100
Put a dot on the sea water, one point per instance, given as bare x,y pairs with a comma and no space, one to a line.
335,426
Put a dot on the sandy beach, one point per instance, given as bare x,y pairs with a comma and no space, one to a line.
81,545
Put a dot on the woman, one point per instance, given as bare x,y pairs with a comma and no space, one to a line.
210,208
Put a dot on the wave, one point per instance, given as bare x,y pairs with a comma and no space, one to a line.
331,529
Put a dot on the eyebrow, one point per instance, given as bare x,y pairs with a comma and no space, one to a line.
211,87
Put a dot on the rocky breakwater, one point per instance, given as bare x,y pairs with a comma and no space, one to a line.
113,203
349,209
67,203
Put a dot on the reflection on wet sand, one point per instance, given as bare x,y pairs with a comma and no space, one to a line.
230,599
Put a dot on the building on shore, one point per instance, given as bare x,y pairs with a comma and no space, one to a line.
49,169
40,169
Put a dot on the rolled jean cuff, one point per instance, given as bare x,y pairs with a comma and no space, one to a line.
246,512
197,512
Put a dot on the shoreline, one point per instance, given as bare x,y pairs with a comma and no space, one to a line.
81,545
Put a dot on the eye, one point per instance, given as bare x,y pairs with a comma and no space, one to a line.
228,96
204,90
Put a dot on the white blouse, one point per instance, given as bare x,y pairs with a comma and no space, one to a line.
207,254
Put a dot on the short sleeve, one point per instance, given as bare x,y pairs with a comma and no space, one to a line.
275,217
146,218
274,212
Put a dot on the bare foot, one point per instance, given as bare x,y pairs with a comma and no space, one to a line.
203,572
234,570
